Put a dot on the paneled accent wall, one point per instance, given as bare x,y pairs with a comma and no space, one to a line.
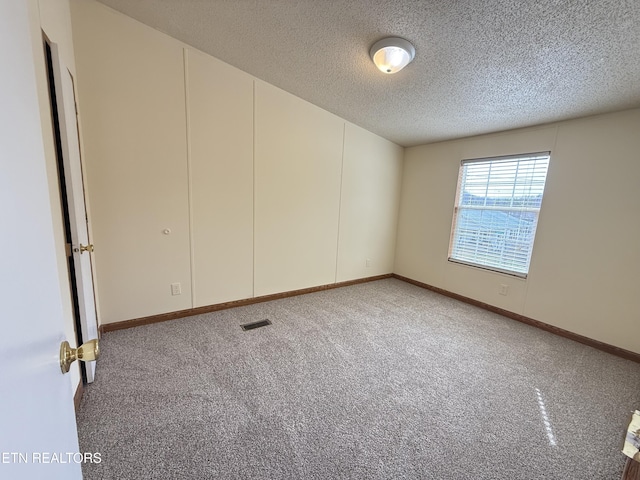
202,175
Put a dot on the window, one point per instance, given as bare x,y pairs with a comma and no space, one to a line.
496,212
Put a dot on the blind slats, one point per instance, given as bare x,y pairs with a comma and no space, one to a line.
496,211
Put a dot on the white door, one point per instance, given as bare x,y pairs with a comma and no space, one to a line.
66,102
36,405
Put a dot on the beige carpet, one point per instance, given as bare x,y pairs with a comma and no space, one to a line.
375,381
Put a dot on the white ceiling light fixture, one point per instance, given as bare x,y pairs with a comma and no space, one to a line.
392,54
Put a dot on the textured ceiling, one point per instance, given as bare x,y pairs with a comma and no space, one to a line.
481,65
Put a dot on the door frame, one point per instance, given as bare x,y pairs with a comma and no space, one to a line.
73,200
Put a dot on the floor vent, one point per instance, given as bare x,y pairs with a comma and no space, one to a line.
251,326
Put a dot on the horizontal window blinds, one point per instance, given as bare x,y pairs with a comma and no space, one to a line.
496,211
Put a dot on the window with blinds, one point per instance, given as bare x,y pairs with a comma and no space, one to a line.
496,211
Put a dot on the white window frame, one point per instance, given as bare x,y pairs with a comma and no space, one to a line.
497,253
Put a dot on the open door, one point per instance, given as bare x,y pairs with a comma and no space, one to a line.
37,417
81,247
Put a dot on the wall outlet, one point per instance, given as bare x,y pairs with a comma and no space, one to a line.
367,263
504,289
176,289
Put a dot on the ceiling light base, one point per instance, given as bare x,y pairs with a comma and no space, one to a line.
392,54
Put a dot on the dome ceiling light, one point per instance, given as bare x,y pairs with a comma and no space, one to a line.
392,54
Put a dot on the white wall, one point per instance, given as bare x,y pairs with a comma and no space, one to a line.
298,161
260,189
220,108
369,203
585,260
52,18
132,93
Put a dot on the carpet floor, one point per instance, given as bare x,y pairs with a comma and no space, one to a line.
382,380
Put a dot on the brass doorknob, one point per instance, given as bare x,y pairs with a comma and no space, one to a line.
86,248
87,352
